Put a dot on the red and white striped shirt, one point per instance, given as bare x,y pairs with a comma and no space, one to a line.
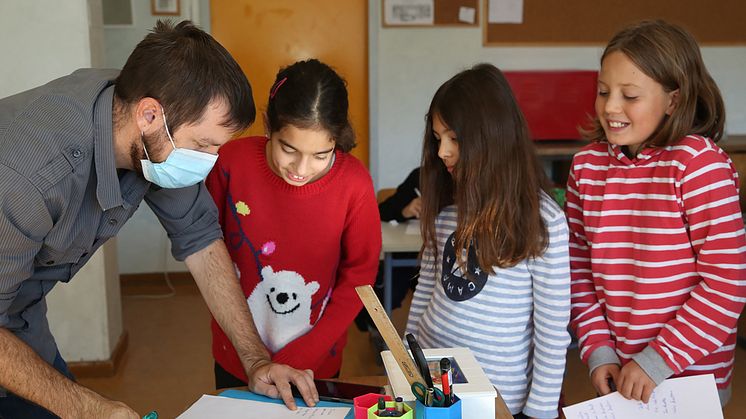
658,255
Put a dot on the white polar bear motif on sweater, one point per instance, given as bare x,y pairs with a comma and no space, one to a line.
281,307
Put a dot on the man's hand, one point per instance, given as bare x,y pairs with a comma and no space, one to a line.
601,375
273,380
24,373
413,209
635,383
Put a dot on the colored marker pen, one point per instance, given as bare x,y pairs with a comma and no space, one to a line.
381,406
446,379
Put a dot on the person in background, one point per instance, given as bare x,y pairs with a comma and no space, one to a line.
495,274
79,155
299,217
404,205
658,253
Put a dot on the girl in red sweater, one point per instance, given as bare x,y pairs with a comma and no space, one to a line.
300,220
657,248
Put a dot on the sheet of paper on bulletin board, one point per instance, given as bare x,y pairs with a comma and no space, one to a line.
403,13
593,22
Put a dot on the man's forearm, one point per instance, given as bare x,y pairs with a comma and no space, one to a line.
25,374
213,272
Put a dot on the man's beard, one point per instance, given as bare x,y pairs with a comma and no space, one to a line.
155,144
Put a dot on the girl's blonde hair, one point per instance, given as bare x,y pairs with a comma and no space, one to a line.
669,55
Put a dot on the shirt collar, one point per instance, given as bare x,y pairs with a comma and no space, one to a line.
108,191
641,158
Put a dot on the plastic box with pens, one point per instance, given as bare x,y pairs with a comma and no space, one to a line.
433,403
476,395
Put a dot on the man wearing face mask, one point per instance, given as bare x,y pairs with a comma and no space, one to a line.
77,156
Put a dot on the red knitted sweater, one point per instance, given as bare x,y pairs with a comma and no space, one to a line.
299,253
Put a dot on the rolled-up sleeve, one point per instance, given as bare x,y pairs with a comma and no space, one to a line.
189,216
24,222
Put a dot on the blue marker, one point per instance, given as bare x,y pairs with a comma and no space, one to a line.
151,415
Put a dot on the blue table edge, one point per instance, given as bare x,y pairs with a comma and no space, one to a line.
247,395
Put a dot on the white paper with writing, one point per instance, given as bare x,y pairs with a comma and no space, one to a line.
693,397
409,12
505,11
229,408
467,14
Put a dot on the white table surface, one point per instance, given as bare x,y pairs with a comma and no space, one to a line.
396,239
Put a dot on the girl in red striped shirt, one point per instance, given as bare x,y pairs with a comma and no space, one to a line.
657,248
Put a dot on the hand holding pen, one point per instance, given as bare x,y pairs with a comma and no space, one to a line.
414,208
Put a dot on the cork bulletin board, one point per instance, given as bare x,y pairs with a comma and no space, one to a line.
594,22
445,13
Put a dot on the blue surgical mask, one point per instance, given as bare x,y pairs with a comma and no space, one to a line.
183,167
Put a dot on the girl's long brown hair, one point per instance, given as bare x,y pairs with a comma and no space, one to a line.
497,181
670,55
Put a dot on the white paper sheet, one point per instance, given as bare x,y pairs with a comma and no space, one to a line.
505,11
409,12
693,397
467,14
229,408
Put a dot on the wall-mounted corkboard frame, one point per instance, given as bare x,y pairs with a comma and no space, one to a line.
594,22
445,13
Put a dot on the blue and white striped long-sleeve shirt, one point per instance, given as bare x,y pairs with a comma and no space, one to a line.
515,321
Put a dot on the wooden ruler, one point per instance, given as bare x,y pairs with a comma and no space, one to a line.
389,334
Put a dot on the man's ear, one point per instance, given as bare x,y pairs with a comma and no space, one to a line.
147,115
673,101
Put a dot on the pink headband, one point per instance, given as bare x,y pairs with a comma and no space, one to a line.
277,86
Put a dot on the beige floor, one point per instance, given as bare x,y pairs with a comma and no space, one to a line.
168,364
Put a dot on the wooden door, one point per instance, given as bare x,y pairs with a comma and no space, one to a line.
265,35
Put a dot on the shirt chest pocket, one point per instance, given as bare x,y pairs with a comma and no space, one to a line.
49,256
68,244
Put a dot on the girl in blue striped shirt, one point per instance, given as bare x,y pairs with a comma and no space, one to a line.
495,274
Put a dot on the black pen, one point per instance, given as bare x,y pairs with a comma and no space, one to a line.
420,360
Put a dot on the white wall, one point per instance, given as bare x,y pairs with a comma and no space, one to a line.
121,39
42,41
409,64
85,315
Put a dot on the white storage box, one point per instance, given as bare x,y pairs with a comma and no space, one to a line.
470,383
